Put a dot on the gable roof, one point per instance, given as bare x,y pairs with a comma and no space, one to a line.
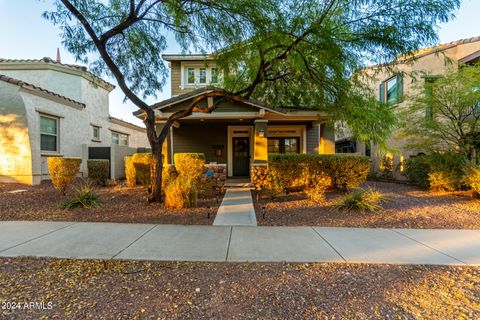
126,124
186,57
23,84
63,67
209,89
403,58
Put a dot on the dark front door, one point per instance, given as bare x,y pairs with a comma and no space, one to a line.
241,157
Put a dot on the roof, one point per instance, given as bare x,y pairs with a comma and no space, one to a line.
71,67
427,51
186,57
30,86
209,89
125,123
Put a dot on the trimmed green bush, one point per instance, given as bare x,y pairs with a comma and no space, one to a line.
181,193
309,170
472,178
137,169
98,170
190,164
85,196
63,171
437,171
362,200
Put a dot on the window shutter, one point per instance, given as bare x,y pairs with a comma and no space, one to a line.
399,88
382,92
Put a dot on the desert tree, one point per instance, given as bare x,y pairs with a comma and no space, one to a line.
445,115
294,53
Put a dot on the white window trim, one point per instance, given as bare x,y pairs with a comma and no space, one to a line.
196,67
96,139
57,120
122,133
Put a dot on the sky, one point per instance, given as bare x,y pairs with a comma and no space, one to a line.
24,34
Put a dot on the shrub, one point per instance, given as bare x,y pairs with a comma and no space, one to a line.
362,200
180,193
316,192
63,171
142,162
472,178
307,170
98,170
190,165
416,170
130,172
85,196
437,171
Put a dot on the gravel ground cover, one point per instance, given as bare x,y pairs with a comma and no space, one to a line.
407,207
119,204
95,289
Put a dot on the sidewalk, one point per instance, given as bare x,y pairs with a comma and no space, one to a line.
236,209
223,243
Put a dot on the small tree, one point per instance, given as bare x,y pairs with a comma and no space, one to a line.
446,115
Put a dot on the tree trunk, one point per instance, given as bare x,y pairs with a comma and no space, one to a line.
156,173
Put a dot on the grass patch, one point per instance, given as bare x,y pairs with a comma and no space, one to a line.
362,200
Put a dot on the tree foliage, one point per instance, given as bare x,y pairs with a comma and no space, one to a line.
445,115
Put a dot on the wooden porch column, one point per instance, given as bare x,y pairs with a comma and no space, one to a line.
327,139
260,148
166,147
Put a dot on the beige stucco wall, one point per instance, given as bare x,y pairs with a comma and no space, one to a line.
432,65
75,124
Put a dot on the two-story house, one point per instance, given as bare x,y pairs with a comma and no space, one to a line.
239,133
403,80
51,109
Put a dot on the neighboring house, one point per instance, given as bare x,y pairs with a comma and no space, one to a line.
50,109
239,133
401,80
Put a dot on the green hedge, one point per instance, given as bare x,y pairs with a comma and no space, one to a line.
63,171
137,169
307,170
98,170
190,165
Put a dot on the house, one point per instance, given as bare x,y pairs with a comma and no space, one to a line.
239,133
399,81
51,109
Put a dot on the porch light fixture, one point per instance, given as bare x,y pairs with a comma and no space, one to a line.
261,133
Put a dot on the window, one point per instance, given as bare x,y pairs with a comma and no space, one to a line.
96,133
203,75
119,138
48,134
191,75
214,78
391,90
284,145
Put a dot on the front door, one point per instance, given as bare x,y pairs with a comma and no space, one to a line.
241,157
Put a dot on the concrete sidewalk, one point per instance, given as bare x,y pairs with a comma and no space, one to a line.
224,243
236,209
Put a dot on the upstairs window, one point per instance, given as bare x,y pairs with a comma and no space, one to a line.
391,90
96,132
48,134
191,75
120,138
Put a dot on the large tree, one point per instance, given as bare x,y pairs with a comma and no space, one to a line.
296,53
445,115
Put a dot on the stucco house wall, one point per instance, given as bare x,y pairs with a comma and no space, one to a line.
75,119
428,62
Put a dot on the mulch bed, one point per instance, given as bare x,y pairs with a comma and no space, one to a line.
407,207
119,204
87,289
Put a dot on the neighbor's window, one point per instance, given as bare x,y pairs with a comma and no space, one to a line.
96,132
391,90
48,133
119,138
214,75
191,75
284,145
203,75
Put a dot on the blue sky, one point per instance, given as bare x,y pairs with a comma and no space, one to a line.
25,34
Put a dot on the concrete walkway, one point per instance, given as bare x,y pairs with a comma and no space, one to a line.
222,243
236,209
